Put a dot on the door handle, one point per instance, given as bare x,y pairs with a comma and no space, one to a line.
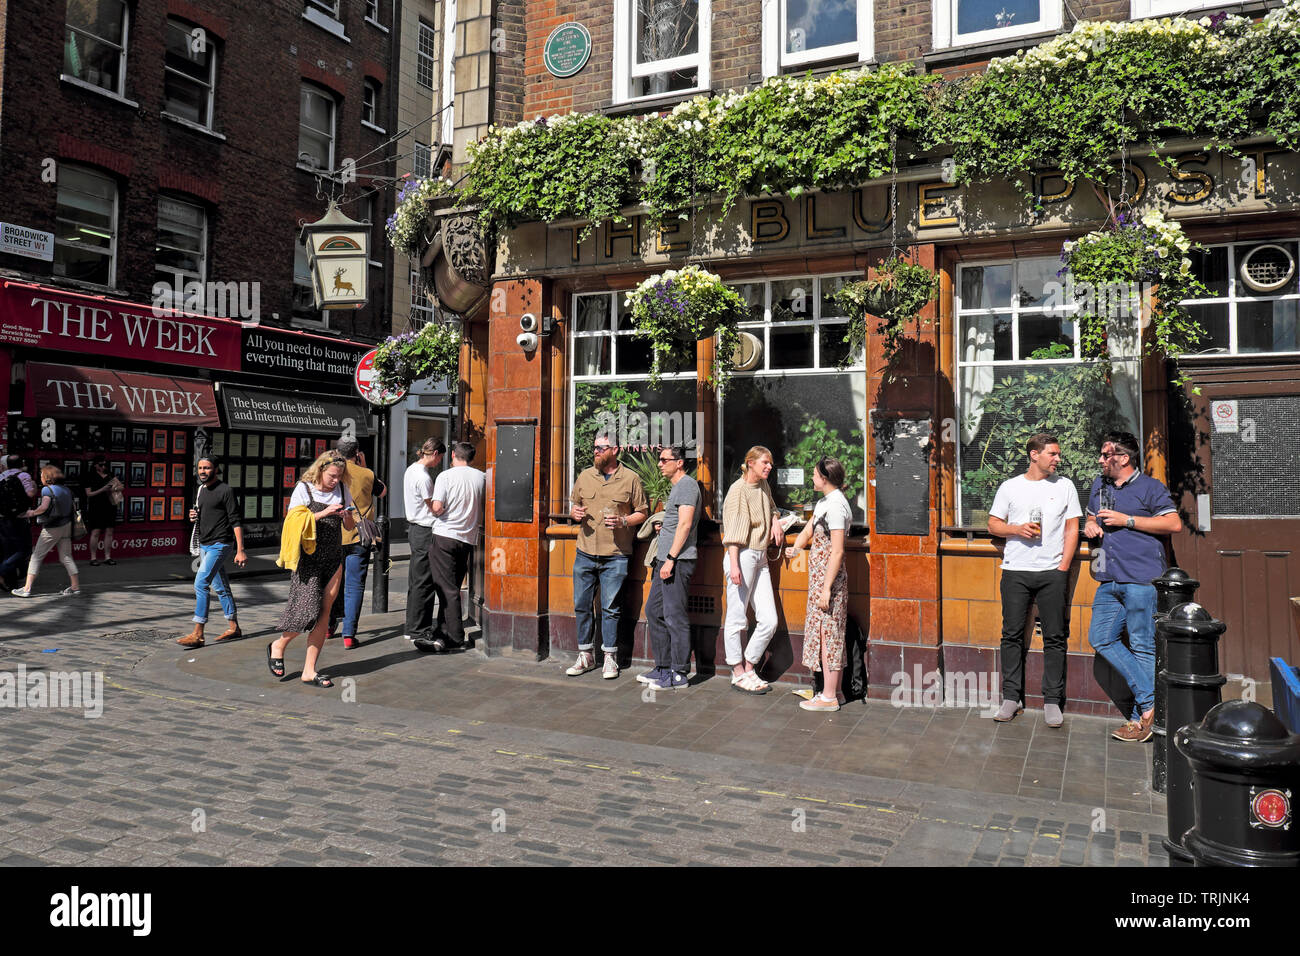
1230,554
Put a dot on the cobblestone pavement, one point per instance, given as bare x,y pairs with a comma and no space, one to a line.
200,758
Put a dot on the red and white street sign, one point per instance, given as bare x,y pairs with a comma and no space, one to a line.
364,379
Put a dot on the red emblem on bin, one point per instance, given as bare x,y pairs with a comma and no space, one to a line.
1270,808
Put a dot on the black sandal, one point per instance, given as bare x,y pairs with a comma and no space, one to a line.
320,680
273,662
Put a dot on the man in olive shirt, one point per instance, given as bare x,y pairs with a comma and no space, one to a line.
608,502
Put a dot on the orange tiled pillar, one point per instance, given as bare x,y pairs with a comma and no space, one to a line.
517,393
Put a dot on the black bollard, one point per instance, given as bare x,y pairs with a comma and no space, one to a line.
1194,685
1174,587
1247,771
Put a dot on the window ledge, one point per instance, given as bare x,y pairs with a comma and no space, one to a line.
326,22
822,69
376,24
317,171
653,104
91,87
190,124
373,264
958,54
300,323
372,127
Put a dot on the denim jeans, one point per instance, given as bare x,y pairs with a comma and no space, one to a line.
666,617
356,564
15,547
212,573
1135,605
609,571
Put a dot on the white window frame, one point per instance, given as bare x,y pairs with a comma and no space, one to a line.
122,48
314,90
1235,296
775,59
626,68
202,275
944,25
117,200
211,83
370,104
422,312
447,120
325,14
425,59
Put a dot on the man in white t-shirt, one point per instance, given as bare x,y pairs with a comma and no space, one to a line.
1038,514
417,491
457,506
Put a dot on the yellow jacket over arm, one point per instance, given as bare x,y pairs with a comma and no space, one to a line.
297,537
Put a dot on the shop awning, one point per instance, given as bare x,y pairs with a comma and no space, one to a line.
97,394
260,409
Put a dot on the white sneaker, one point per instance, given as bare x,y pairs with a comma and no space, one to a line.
611,667
586,662
21,592
70,591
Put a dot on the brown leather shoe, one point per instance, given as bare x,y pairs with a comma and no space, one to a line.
192,639
1136,731
232,630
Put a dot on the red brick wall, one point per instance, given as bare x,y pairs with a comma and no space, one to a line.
248,181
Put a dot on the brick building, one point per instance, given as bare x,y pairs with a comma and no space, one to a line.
923,570
158,159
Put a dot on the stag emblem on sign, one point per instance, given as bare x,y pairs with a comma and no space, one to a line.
339,284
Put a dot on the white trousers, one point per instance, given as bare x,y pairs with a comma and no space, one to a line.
756,588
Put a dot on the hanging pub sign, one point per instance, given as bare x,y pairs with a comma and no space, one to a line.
338,254
567,50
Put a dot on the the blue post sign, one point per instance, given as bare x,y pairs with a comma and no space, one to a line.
567,49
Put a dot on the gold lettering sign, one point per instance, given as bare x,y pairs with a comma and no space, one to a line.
925,203
767,222
574,254
1260,159
1183,177
1045,176
860,215
811,229
664,245
630,230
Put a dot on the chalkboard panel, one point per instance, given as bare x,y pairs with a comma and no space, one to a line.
513,481
902,475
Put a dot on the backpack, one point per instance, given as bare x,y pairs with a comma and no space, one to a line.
13,497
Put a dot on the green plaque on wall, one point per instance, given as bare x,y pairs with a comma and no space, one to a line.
567,49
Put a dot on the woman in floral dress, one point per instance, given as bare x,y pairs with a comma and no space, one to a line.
828,584
315,582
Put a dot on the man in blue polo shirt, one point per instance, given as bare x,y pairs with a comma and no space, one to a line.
1129,511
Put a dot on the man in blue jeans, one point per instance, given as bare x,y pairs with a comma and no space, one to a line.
217,515
608,502
365,490
1130,512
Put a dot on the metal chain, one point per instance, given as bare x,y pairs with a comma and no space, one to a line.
893,195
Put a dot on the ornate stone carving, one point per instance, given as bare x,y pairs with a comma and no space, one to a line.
465,248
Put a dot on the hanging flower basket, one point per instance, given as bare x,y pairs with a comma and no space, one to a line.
895,295
433,353
1113,274
409,230
678,308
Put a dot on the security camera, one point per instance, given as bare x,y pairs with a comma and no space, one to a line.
528,322
527,341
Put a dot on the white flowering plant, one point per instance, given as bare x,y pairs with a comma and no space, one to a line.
432,352
406,226
895,295
677,308
1149,253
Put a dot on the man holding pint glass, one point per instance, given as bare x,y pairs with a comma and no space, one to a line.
608,502
1038,514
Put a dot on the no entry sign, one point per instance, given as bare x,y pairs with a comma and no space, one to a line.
364,380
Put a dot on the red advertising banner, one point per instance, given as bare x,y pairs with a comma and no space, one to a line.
41,317
98,394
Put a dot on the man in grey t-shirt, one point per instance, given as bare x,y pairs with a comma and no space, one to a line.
665,609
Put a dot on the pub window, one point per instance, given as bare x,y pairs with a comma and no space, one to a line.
315,129
181,251
85,231
425,52
661,47
1254,298
962,22
1019,371
189,74
370,104
305,312
610,387
421,306
799,32
95,48
796,400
